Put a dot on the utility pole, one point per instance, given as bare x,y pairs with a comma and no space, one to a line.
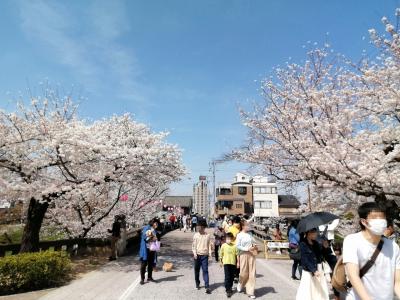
213,165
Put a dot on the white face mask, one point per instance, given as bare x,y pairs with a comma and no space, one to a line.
377,226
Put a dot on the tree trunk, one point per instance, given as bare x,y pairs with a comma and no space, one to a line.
392,209
34,219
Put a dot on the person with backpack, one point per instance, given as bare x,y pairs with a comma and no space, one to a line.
372,262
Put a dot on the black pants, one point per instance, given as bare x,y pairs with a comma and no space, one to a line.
149,263
230,271
296,264
237,273
216,252
194,227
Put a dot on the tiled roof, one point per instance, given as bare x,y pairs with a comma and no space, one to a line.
288,201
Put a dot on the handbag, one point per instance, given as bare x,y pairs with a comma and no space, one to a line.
154,246
294,253
339,279
254,251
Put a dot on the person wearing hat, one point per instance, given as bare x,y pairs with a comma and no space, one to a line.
202,252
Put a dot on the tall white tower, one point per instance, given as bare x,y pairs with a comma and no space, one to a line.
200,196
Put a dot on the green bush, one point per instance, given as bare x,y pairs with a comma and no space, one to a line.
32,271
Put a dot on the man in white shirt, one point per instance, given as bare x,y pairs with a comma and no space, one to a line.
384,276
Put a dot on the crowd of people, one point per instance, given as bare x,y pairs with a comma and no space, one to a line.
370,258
234,248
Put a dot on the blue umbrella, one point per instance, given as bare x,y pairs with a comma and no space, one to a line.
314,220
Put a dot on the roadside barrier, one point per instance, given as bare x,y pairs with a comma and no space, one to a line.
276,249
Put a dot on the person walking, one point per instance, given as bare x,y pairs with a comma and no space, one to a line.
180,222
202,252
247,260
294,241
218,236
228,259
184,219
383,278
147,256
172,220
115,236
235,229
313,284
194,223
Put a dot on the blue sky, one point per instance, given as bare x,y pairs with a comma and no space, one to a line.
182,66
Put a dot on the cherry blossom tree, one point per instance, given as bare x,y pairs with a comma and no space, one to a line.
78,170
332,124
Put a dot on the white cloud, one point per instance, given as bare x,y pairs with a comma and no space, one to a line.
86,40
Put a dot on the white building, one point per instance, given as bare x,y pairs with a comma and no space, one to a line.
4,204
265,197
200,197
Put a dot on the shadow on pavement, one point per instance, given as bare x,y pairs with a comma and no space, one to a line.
264,290
169,278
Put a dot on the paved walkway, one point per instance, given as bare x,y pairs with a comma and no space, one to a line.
119,280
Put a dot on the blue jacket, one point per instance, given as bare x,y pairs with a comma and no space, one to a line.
312,255
143,241
294,237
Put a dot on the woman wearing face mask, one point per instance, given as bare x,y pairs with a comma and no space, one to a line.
384,276
313,285
247,260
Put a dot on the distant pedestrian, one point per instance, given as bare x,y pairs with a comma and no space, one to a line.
247,260
202,252
390,233
228,258
172,220
218,236
115,236
184,221
194,223
228,225
383,277
313,284
147,256
180,222
277,233
294,248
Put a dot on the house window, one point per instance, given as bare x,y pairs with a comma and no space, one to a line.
238,205
265,190
242,190
266,204
257,204
225,191
227,204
